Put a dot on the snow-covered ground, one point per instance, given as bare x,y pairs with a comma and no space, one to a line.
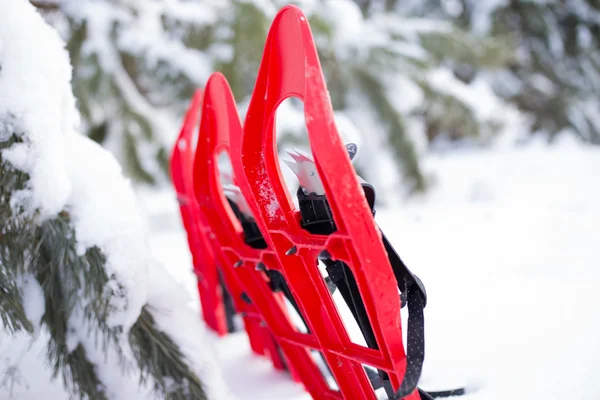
504,243
507,245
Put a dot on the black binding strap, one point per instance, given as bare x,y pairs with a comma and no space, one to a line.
228,302
415,346
317,218
252,235
443,393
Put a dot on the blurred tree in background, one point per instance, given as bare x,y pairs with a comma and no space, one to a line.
557,72
555,75
405,74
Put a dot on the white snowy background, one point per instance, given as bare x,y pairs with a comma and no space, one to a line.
507,246
506,242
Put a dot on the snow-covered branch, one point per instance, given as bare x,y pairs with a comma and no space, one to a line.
74,255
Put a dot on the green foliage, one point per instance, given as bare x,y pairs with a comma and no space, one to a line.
397,138
460,48
76,289
554,77
371,73
559,66
231,40
160,358
11,306
249,26
116,100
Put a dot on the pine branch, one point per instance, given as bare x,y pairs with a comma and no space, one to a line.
159,356
14,249
44,251
77,290
400,143
249,28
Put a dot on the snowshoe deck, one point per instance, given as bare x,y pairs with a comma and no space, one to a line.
290,67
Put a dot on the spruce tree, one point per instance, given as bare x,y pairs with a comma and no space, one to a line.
553,77
392,69
136,65
93,304
556,74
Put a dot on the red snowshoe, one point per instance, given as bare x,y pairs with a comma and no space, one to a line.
268,250
291,68
217,315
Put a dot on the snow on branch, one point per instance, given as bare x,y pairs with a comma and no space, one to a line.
74,186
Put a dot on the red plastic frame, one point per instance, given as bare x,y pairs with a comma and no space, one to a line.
290,67
213,309
198,234
219,121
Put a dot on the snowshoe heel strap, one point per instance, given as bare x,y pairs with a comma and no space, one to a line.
317,219
415,346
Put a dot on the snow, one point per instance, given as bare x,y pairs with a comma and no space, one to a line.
23,376
153,33
505,243
481,14
268,197
510,281
102,203
37,97
486,106
99,42
70,172
33,299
